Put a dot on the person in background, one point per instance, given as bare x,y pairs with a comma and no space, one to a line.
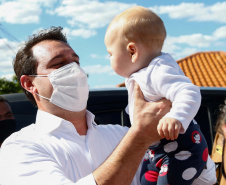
218,154
224,151
134,41
7,121
65,145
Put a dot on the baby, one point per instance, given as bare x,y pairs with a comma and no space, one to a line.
134,40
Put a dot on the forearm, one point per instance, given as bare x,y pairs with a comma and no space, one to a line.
123,163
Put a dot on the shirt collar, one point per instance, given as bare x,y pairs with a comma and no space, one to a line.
90,120
47,123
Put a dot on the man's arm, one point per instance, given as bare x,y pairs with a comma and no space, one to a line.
122,165
24,161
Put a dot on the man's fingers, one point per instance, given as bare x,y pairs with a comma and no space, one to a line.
138,95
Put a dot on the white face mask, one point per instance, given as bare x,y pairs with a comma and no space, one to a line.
70,88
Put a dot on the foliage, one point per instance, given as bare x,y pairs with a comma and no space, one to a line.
7,86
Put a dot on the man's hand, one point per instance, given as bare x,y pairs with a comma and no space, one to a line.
147,115
169,128
123,163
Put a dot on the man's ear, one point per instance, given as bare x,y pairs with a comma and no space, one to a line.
27,83
133,50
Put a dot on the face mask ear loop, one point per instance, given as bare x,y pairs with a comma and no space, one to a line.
42,96
37,93
39,75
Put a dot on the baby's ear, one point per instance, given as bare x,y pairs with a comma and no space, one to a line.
133,51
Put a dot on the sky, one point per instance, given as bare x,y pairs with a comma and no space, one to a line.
192,26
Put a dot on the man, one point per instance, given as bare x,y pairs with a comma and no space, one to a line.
65,146
7,121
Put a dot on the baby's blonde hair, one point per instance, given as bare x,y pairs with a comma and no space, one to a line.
139,24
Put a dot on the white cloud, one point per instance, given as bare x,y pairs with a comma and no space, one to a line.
98,69
37,30
7,55
19,12
183,52
85,33
91,14
185,45
88,15
95,56
45,3
23,11
96,14
8,76
197,40
194,11
220,33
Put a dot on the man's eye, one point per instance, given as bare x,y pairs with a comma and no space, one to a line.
57,65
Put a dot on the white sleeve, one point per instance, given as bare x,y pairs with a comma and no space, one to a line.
168,80
27,163
89,179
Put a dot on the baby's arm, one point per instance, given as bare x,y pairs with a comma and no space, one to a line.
168,80
169,128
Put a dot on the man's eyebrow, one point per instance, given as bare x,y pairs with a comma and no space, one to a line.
57,56
61,56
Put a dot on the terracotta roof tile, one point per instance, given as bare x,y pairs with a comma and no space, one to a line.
205,69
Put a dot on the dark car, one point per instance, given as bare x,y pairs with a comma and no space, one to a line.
108,106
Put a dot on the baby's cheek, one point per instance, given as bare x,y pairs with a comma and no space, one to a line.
113,66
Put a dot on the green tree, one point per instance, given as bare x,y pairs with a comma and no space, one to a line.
7,86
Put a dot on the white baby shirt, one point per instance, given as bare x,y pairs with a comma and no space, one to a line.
164,78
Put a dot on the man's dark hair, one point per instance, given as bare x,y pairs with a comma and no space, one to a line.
2,99
25,63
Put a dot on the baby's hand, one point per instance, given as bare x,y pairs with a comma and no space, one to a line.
169,128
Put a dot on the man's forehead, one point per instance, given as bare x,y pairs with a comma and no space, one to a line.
48,49
50,46
38,49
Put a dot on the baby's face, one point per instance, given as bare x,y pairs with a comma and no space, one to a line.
119,56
